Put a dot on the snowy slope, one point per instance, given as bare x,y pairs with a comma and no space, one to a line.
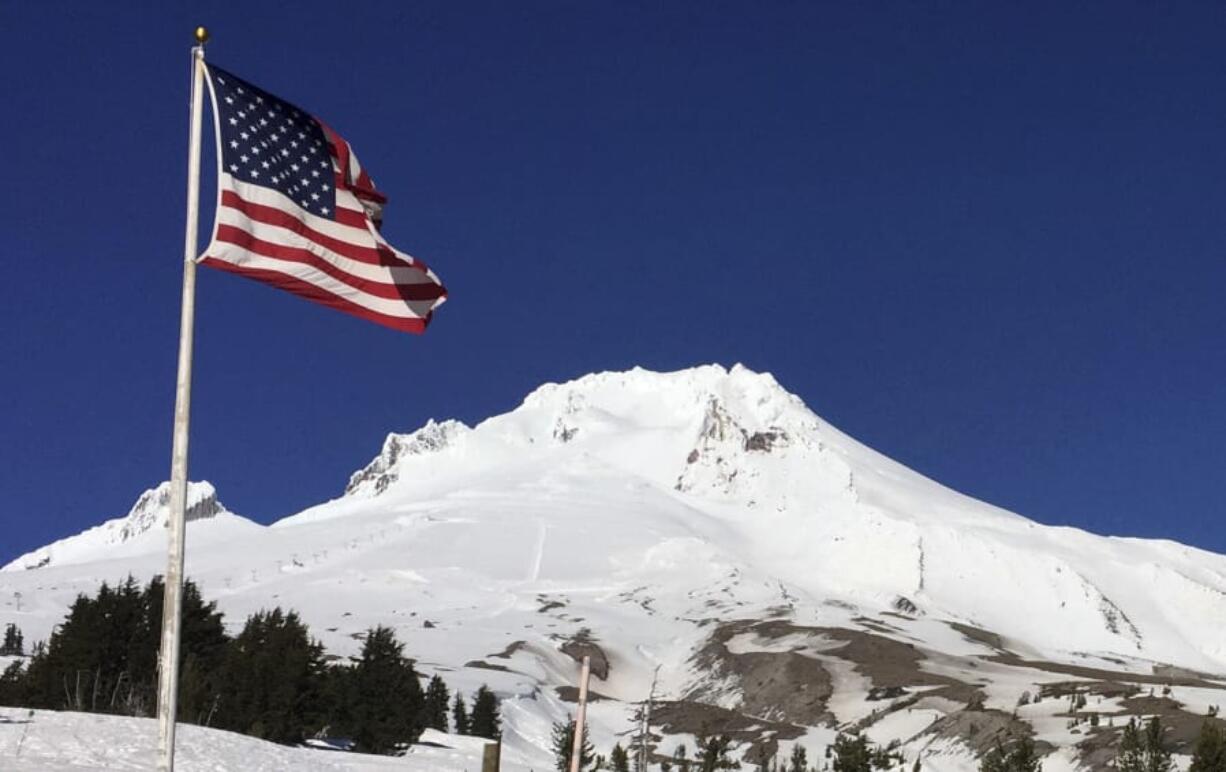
141,530
49,741
706,522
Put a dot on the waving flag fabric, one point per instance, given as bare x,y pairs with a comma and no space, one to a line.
296,210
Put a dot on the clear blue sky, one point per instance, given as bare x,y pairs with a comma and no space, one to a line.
988,242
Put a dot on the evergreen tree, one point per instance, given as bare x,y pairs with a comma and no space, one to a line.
273,678
486,721
1020,756
11,692
13,645
1143,751
434,709
1157,755
202,643
563,744
762,757
799,760
1128,757
619,760
680,759
1210,752
714,754
459,715
852,754
387,695
103,657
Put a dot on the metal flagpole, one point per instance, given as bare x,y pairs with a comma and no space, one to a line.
172,600
580,715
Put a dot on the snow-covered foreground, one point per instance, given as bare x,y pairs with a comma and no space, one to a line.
708,524
51,741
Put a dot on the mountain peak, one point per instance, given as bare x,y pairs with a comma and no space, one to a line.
151,512
384,469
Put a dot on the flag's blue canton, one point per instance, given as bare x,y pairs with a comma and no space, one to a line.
270,142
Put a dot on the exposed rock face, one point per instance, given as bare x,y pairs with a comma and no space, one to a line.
583,645
384,470
723,439
152,509
787,686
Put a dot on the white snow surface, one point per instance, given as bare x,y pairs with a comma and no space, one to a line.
642,505
50,741
141,530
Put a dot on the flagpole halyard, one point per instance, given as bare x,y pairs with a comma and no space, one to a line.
172,600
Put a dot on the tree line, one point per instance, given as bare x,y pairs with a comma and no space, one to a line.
272,680
851,752
1142,748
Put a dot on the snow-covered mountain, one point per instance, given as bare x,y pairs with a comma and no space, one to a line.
786,580
141,530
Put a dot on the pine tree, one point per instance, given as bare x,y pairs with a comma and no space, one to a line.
563,744
486,721
202,642
387,695
11,692
1018,757
680,759
1128,757
103,657
273,680
714,754
13,646
762,757
1210,752
434,709
459,715
1143,751
799,761
852,754
1157,755
619,760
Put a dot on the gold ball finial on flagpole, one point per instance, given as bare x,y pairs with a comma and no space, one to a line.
202,35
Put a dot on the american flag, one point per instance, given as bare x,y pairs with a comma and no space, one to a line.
296,210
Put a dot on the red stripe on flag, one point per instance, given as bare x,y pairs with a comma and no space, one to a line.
359,184
271,215
391,291
311,292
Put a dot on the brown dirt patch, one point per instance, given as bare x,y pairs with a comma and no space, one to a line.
979,635
1098,674
581,645
777,686
510,650
701,720
571,694
794,687
980,730
482,664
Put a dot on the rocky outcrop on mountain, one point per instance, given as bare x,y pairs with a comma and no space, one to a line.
384,469
150,513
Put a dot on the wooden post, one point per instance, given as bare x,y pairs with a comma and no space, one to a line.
580,714
646,730
491,756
